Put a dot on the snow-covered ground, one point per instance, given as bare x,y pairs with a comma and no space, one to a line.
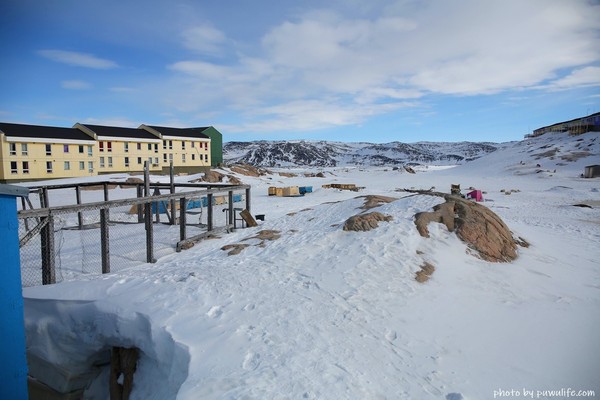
321,313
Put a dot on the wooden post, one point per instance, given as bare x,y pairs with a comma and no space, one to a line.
104,240
79,214
148,217
123,362
140,210
48,256
248,200
209,214
182,217
24,207
172,181
44,198
230,211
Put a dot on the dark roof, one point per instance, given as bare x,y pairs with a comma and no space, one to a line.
38,131
183,132
117,131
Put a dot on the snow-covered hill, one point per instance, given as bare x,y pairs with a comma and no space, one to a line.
331,154
322,313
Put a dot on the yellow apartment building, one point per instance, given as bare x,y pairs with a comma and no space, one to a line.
188,148
33,152
124,149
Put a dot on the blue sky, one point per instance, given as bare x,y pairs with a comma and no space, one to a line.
348,70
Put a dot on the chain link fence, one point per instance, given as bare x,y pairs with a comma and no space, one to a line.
67,242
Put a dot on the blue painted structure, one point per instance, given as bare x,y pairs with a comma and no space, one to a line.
305,189
192,203
13,369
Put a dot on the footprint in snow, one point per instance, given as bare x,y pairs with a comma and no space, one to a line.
251,361
215,312
391,336
454,396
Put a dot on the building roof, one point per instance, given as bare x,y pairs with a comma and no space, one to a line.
181,132
117,131
46,132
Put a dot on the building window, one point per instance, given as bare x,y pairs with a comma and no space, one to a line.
81,165
67,165
140,160
48,149
193,157
149,146
206,158
109,146
13,167
101,146
101,162
81,150
156,147
156,160
171,157
126,147
127,161
164,144
49,167
13,149
164,157
90,151
66,148
25,167
24,151
109,162
183,158
183,145
193,144
139,146
90,166
170,145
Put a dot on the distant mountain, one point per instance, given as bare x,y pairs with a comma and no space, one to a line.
330,154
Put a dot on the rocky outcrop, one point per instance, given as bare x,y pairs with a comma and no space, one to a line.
476,225
365,222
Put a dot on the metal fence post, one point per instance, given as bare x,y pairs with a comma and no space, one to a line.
105,187
104,240
209,214
149,233
182,217
48,255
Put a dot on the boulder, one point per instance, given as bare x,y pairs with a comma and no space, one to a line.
365,222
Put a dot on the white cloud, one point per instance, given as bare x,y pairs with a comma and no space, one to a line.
204,39
588,76
325,68
78,59
75,85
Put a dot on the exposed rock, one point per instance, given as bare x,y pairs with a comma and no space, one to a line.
372,201
234,249
233,180
133,179
476,225
443,213
249,170
288,174
409,169
213,177
365,222
425,272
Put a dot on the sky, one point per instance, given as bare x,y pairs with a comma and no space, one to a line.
343,70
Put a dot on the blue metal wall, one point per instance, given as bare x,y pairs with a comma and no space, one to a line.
13,365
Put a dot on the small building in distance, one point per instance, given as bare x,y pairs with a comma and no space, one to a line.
577,126
591,171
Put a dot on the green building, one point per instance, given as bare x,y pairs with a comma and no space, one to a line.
216,145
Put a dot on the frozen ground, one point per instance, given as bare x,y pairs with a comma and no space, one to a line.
322,313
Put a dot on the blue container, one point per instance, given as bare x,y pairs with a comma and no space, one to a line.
305,189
